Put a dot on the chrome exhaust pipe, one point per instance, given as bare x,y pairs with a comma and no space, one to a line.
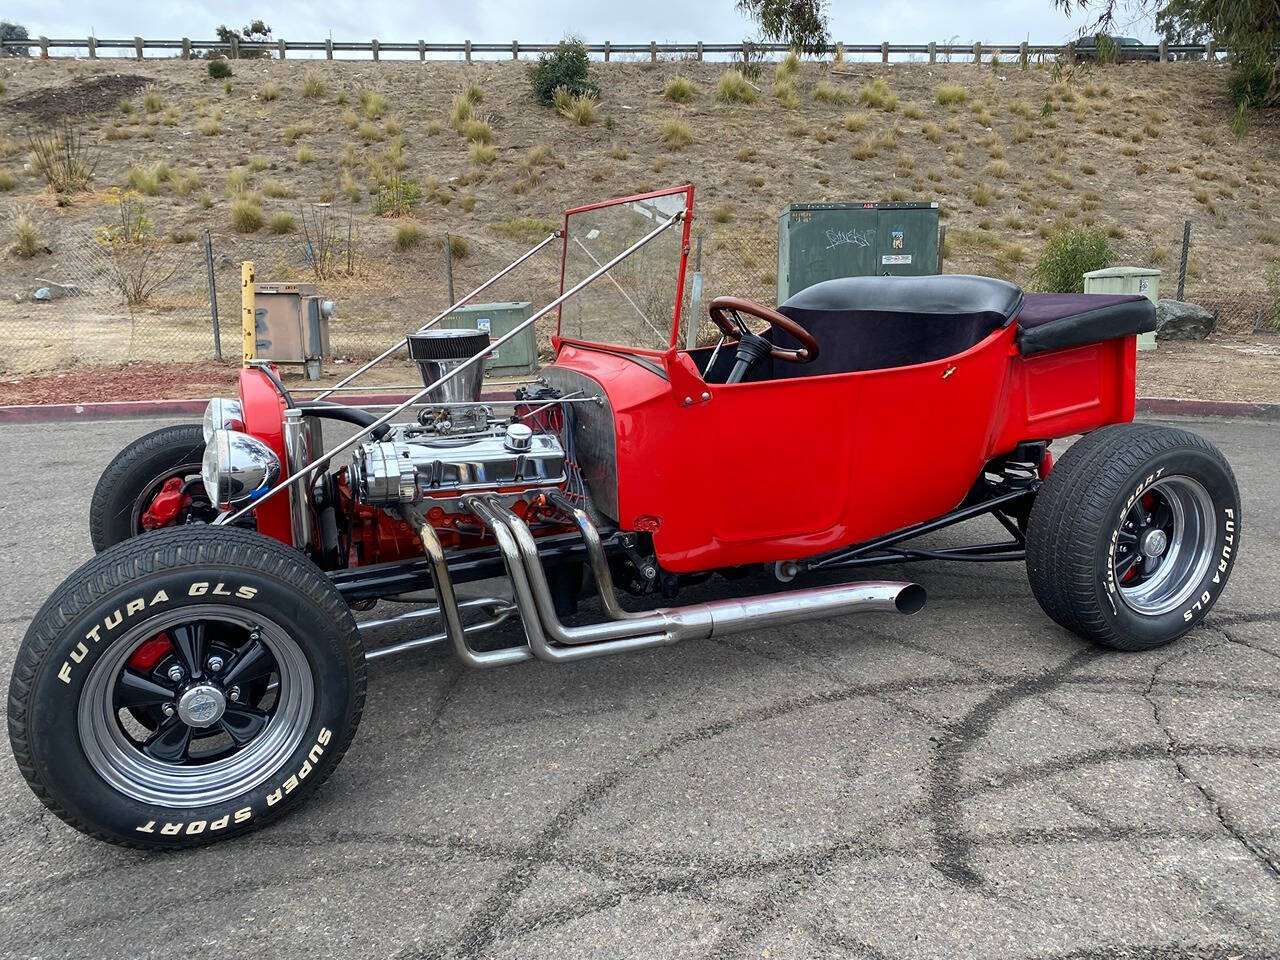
551,640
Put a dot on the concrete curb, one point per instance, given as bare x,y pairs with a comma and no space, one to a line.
1180,407
136,409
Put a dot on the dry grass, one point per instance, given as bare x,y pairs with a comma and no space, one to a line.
26,237
932,132
825,92
787,67
784,91
282,223
305,155
981,195
680,90
912,111
732,87
581,109
482,154
312,85
407,236
246,216
476,131
373,103
269,91
722,214
950,95
676,134
7,180
877,95
856,122
209,127
278,189
999,169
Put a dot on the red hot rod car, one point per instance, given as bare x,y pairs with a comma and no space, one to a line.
204,671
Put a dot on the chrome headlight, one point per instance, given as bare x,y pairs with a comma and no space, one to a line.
222,414
237,468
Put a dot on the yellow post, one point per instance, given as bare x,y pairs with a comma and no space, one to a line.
248,320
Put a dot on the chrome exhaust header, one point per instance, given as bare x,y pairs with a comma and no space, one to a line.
550,640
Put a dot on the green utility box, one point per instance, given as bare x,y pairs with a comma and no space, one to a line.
517,356
1131,280
822,241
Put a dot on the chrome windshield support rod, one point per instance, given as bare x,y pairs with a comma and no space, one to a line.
320,462
432,322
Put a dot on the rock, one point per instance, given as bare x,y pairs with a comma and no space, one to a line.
55,291
1176,320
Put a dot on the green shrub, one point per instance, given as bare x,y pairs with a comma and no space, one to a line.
219,69
680,90
1250,80
246,216
407,235
1068,256
282,223
732,87
398,197
566,66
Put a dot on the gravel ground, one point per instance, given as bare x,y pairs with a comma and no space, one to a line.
969,782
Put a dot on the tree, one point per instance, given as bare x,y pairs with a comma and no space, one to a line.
1249,30
800,23
13,31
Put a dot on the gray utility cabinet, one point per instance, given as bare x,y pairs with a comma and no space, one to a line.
823,241
518,355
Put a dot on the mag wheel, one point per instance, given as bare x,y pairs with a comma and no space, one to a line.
152,483
1133,535
185,686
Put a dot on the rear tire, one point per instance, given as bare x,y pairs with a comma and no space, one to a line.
239,655
1133,535
134,477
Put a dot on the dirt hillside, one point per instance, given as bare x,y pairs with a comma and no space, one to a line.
1133,148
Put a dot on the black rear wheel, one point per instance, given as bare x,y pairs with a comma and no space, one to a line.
152,483
185,686
1133,535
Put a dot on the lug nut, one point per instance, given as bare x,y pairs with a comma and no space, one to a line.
233,693
215,664
168,709
176,673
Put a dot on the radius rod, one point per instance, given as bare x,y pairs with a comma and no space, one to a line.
550,640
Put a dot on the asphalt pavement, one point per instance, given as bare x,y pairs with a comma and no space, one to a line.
972,781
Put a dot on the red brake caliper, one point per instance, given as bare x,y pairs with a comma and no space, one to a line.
151,652
166,505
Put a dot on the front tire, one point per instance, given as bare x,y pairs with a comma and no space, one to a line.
1133,535
186,686
138,475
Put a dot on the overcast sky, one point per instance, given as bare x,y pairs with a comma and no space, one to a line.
917,21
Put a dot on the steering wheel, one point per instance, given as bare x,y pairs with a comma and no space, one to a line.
752,347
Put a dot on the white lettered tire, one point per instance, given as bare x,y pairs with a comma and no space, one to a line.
1133,535
185,686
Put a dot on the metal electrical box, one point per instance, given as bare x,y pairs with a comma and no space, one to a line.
1132,280
823,241
292,324
517,356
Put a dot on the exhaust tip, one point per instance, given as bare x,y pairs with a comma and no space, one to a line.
910,599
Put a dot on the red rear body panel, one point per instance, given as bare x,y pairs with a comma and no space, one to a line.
781,469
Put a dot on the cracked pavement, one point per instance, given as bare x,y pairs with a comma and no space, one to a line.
969,782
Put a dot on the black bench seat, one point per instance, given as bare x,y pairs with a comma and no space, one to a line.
1056,321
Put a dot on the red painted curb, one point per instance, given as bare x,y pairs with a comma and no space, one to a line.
1178,406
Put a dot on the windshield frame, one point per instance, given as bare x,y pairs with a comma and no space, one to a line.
686,189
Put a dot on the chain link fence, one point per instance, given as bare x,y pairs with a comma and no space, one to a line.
96,303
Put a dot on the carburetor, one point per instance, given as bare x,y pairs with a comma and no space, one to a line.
417,467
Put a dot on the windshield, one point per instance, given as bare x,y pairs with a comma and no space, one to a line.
634,304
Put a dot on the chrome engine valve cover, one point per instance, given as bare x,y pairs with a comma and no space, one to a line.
408,471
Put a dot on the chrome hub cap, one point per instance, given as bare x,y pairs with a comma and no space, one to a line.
210,734
201,705
1164,545
1154,543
